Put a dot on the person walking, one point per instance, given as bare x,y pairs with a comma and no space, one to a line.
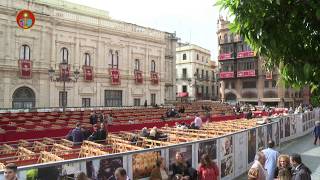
208,169
283,169
299,171
316,132
271,159
257,171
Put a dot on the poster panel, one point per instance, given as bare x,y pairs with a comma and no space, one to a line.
44,173
104,168
293,127
261,138
209,147
276,133
226,156
240,155
143,163
269,133
186,152
287,127
252,145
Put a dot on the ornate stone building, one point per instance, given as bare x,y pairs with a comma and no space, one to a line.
243,78
116,63
195,73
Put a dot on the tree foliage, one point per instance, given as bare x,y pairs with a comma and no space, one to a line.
285,32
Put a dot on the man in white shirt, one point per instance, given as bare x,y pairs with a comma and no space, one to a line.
257,170
271,159
197,121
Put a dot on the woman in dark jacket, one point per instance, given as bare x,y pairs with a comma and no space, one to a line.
102,133
316,132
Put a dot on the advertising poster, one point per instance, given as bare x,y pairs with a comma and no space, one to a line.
281,127
287,127
269,133
276,134
71,170
209,148
261,138
186,152
226,167
240,153
143,163
226,144
252,145
46,173
104,168
293,129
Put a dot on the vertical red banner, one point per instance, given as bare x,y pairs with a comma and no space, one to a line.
64,72
138,77
25,68
268,75
88,73
115,76
154,78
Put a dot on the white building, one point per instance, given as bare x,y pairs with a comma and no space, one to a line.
195,72
79,36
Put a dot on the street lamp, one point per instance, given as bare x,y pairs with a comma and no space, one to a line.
64,79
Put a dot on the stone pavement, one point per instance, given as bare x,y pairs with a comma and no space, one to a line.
304,146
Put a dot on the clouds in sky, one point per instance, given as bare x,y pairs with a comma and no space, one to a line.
194,21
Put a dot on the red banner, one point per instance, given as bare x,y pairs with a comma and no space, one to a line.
224,75
268,75
154,78
183,94
64,73
25,68
115,76
225,56
138,77
88,73
246,73
245,54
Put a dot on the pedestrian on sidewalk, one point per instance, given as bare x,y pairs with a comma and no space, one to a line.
257,171
283,169
299,171
316,132
271,159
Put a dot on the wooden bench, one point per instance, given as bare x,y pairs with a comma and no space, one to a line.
24,153
48,157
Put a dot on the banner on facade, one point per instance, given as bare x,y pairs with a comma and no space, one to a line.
25,68
269,75
115,76
88,73
154,78
138,77
64,72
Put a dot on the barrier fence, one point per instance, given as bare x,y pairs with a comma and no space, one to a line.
234,153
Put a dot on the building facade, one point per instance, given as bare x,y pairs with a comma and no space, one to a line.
243,78
195,73
116,63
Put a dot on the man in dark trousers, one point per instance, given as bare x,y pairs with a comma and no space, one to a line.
299,170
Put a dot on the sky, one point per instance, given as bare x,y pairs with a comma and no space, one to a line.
194,21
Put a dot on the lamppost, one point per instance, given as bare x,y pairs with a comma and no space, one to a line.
64,78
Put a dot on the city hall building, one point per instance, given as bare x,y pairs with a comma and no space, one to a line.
79,56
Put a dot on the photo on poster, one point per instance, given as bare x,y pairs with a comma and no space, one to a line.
226,167
186,152
252,144
240,153
261,138
209,147
104,168
287,127
45,173
275,130
226,145
143,163
269,133
71,170
281,128
293,126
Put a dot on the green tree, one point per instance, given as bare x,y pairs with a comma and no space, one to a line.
286,33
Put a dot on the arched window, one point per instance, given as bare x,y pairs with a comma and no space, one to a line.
225,38
25,52
87,60
114,59
153,66
184,57
116,63
137,65
64,55
23,97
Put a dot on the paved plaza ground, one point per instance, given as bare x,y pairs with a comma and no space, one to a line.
309,152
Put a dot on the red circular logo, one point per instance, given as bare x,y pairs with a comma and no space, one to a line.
25,19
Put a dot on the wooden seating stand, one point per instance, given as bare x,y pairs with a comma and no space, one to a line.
48,141
24,153
89,149
59,149
66,142
7,149
23,143
48,157
39,146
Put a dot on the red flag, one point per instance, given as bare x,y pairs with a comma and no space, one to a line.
115,76
64,73
154,78
138,77
25,68
88,73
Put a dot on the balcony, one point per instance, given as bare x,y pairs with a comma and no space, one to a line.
247,73
184,78
245,54
226,75
225,56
